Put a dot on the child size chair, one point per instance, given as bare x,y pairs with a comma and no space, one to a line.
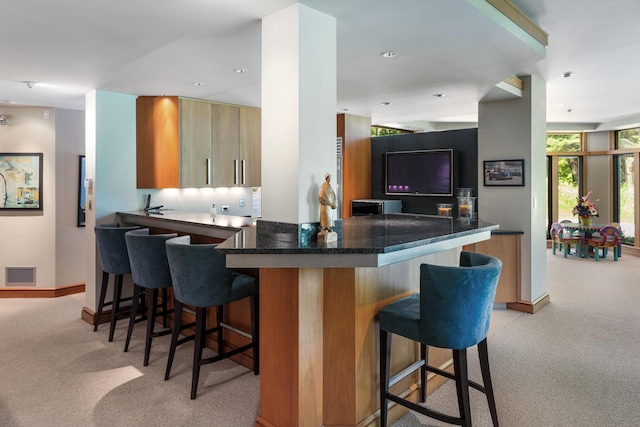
202,280
452,311
608,238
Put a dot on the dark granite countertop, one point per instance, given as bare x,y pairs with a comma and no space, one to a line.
221,227
375,234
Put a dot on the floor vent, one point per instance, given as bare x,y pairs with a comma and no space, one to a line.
20,276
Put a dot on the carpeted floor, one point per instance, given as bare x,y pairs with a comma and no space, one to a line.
56,371
572,364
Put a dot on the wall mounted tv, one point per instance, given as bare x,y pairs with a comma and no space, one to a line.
419,173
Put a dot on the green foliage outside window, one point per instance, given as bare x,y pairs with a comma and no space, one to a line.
382,131
563,142
629,138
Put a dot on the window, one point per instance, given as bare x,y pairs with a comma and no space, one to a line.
384,131
624,196
568,172
564,175
629,138
564,142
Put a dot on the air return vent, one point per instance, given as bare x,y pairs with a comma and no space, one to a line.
20,276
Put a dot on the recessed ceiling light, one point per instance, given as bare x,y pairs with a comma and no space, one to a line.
241,70
438,95
567,74
197,84
344,109
385,103
389,54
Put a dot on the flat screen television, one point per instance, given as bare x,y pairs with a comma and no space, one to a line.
419,173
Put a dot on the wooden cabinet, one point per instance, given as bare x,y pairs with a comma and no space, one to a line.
505,247
189,143
195,143
157,142
250,146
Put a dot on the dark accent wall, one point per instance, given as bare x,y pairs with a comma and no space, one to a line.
465,145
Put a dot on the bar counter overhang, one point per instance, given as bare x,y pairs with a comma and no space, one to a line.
318,307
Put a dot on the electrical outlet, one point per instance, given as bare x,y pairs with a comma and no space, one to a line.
242,202
225,209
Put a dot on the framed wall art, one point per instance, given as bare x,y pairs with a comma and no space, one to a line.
81,192
504,173
21,181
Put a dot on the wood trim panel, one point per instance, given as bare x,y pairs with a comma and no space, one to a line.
530,307
356,159
32,292
521,20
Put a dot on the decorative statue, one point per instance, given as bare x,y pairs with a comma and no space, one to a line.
328,201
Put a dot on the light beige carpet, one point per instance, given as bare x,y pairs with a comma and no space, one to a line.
572,364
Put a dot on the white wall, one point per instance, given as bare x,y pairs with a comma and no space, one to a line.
28,237
70,244
515,129
50,239
111,163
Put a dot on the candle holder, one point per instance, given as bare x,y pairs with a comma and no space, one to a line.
445,209
466,208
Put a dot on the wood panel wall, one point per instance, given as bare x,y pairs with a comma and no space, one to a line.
356,159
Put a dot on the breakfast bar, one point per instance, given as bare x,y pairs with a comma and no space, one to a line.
318,307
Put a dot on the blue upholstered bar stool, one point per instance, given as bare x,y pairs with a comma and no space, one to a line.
452,311
201,280
115,260
150,271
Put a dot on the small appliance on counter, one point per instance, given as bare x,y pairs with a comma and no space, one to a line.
375,207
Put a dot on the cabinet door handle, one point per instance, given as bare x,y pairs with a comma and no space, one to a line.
244,172
208,177
236,172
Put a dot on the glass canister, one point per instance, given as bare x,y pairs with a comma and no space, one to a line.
465,192
445,209
466,207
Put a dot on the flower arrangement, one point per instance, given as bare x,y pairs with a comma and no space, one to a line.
585,208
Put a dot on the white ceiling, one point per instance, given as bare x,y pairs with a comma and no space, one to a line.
159,46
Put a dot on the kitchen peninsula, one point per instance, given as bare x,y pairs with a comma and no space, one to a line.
318,307
319,302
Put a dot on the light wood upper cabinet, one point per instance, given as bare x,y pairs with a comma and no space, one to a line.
195,143
250,146
189,143
225,139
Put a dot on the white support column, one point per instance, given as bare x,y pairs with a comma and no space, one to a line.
509,130
298,112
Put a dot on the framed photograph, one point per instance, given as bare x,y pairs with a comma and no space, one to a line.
504,173
21,181
81,193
